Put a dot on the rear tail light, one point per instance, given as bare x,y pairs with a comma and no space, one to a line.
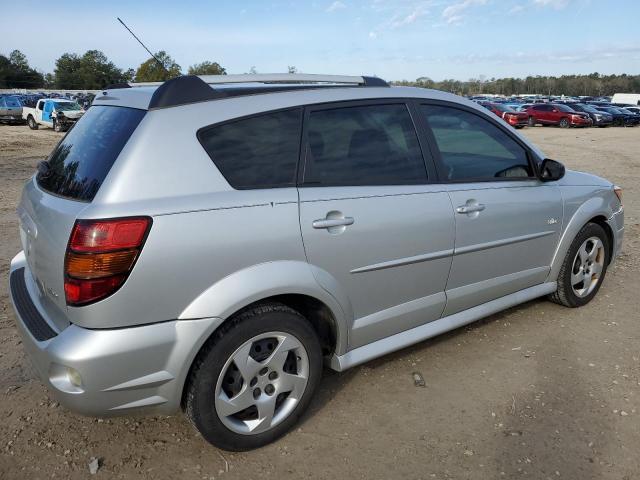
100,256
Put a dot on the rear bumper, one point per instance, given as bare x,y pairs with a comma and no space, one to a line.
122,370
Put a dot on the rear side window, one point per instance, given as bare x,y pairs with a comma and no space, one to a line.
81,161
367,145
472,148
256,152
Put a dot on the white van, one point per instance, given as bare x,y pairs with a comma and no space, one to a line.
628,98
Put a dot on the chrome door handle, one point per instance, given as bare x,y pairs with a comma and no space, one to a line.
332,222
470,208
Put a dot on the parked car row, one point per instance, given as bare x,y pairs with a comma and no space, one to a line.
53,110
564,113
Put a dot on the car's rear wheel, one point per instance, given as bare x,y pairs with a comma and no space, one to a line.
32,123
254,378
584,267
532,122
564,123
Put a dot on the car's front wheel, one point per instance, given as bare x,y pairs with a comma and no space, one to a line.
583,268
564,123
254,378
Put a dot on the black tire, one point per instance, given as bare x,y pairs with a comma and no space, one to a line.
32,123
199,401
565,294
564,123
532,122
56,126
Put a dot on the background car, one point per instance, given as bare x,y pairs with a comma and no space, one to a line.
10,109
512,117
557,114
599,118
620,118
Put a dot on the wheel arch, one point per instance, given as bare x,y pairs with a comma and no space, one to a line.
291,283
596,210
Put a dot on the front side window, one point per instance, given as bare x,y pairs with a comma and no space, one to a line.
363,145
256,152
474,149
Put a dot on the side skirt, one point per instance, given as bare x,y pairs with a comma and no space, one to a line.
423,332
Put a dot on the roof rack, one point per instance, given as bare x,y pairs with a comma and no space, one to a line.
200,88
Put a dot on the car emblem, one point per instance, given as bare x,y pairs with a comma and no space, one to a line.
552,221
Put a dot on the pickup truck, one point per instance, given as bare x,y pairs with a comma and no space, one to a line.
56,113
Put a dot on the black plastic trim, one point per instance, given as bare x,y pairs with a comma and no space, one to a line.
116,86
374,82
31,317
183,90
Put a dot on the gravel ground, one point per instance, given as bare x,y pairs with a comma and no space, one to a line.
538,391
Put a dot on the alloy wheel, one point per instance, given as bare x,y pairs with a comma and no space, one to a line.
261,383
588,266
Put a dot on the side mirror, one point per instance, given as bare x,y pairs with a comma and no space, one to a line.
551,170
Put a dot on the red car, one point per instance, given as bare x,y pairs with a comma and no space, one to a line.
508,114
557,114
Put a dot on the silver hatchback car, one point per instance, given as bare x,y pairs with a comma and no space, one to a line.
209,242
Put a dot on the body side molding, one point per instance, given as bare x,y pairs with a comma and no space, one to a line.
409,337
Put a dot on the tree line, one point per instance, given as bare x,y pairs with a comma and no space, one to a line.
93,70
593,84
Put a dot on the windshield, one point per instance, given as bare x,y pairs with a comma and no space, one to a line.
503,108
67,106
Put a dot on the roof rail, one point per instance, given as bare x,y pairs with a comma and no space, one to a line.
292,78
192,88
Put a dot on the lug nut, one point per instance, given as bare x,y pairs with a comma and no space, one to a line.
264,371
273,375
269,389
256,393
253,382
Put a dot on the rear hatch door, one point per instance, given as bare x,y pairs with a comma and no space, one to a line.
63,187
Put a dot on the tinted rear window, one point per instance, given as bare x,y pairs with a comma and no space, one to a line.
256,152
12,102
81,161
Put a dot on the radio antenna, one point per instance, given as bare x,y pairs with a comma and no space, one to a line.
143,45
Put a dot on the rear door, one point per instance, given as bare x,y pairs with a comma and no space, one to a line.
507,221
371,222
53,199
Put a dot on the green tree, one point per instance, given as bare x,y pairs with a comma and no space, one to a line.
15,72
151,71
91,71
207,68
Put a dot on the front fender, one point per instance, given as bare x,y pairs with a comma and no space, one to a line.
265,280
594,207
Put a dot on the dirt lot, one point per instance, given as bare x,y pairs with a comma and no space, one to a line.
539,391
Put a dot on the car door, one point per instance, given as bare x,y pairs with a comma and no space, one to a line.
373,226
507,221
46,112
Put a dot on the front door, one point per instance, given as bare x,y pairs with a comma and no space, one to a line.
372,225
507,221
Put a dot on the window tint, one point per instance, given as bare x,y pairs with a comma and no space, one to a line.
364,145
82,159
472,148
256,152
12,102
